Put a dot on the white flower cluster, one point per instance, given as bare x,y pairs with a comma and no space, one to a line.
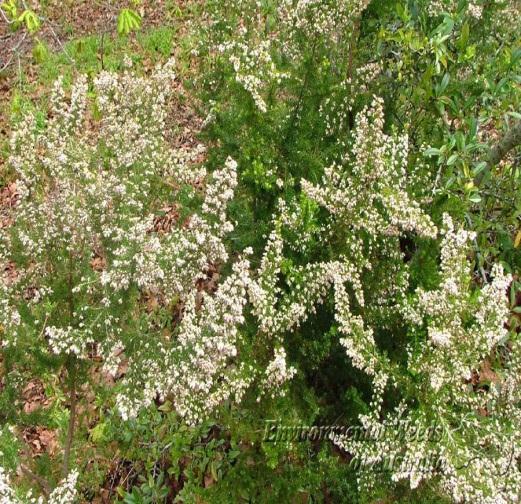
219,193
340,103
134,115
7,494
64,493
467,377
308,285
438,7
372,193
202,367
455,346
317,19
9,316
277,373
66,340
475,10
254,68
504,19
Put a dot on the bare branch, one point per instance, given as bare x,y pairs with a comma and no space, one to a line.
511,140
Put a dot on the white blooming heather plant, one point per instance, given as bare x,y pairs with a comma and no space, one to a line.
277,374
464,378
254,68
168,283
64,493
370,206
449,374
87,247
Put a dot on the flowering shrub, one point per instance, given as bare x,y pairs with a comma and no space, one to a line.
352,249
65,493
464,374
456,371
455,354
84,247
336,246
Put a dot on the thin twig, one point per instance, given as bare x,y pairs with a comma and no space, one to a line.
19,72
72,416
478,254
71,59
6,19
43,484
8,63
102,50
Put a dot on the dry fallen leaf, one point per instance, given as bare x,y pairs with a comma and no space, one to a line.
41,440
33,396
